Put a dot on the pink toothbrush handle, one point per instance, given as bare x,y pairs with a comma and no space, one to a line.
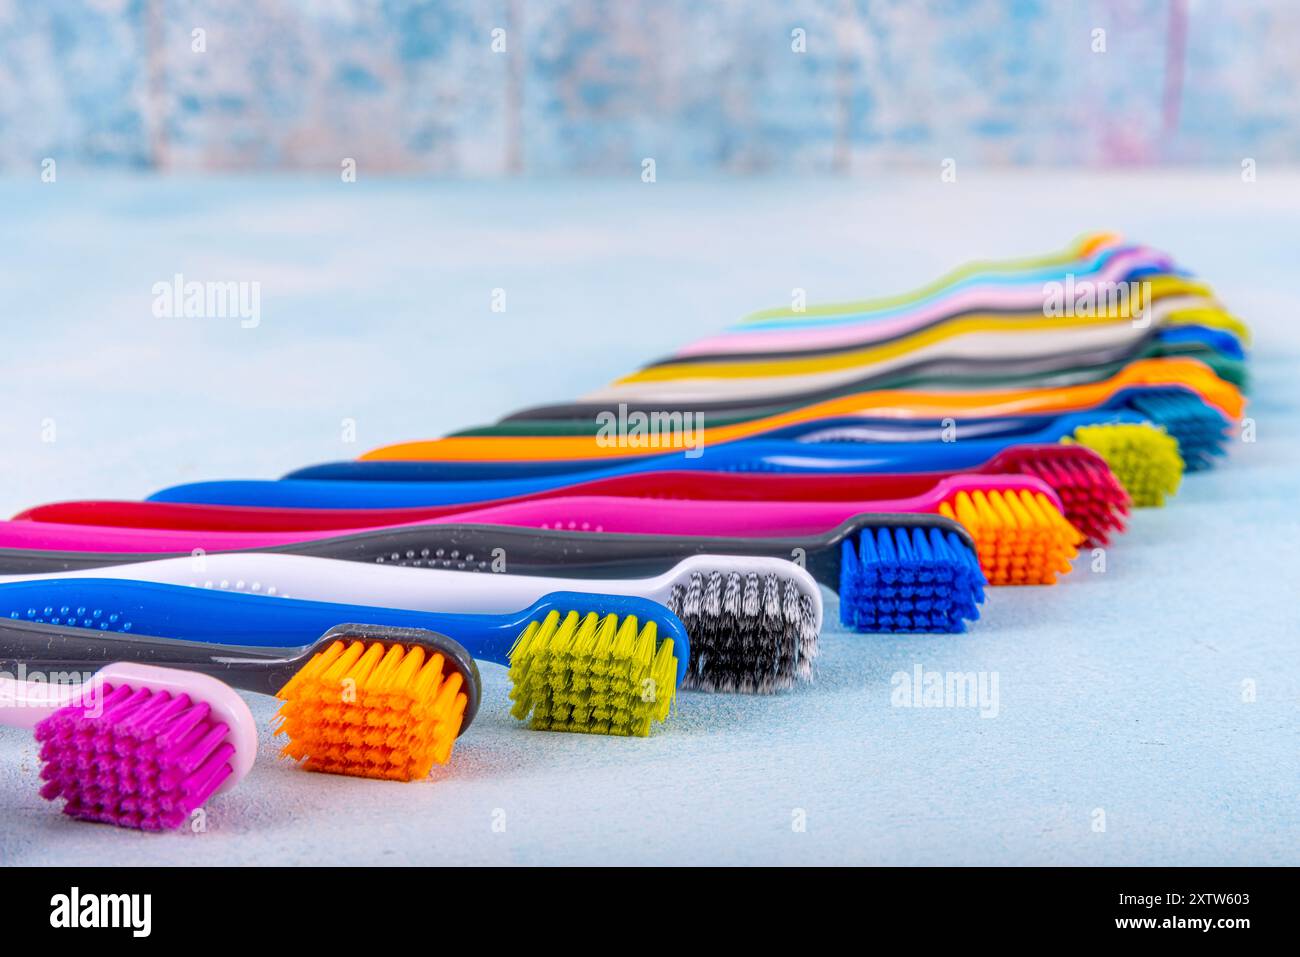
582,513
654,517
594,513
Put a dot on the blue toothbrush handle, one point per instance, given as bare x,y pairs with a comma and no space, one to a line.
373,484
198,614
1220,340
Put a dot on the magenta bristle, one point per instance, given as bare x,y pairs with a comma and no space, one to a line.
196,752
134,758
120,702
173,716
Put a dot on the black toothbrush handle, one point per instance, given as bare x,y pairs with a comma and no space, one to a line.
36,647
597,555
535,551
901,377
563,554
32,561
481,548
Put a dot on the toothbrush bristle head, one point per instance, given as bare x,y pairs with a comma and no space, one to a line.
1020,535
1092,497
133,757
909,579
599,674
750,633
373,709
1200,431
1144,457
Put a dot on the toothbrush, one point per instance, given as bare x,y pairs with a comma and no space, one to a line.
958,291
753,622
387,486
893,573
1185,373
383,484
718,385
783,370
1094,500
601,664
828,323
136,746
1179,409
1170,302
1220,350
785,377
1144,457
1199,433
412,691
1087,254
1020,534
923,450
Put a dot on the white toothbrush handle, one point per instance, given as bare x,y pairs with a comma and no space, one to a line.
417,589
357,583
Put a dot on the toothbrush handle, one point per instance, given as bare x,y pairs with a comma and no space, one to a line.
647,516
516,551
51,648
964,372
760,455
201,615
376,485
584,555
325,504
728,518
579,513
766,455
276,577
818,484
367,485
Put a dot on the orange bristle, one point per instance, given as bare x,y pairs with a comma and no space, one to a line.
374,711
1021,537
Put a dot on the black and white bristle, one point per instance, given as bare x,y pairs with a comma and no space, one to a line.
750,633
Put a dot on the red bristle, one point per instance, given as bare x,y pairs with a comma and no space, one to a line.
1092,497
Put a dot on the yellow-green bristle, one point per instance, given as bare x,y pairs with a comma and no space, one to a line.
374,711
1021,537
594,674
1143,456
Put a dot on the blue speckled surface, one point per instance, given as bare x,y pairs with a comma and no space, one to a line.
556,87
1120,691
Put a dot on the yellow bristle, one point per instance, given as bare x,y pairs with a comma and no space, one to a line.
593,674
1143,456
377,711
1021,537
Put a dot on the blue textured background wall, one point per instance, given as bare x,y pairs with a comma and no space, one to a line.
588,86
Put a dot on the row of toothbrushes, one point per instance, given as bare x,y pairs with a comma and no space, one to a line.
904,453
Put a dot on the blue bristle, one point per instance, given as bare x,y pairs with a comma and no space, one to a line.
898,579
1201,431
